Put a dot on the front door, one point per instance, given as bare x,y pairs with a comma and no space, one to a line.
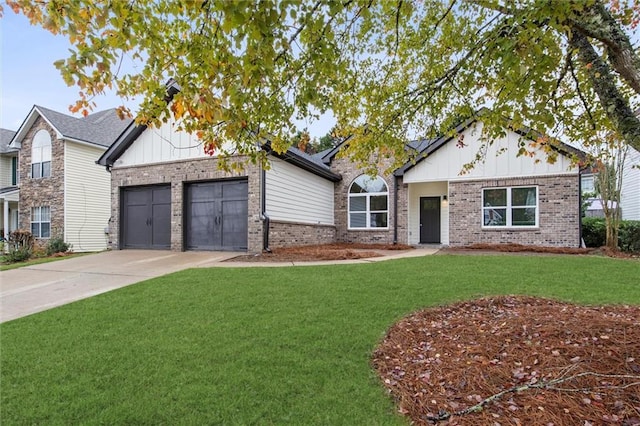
430,220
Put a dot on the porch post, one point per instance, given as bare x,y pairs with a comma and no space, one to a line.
5,209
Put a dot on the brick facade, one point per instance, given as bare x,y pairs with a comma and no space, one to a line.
48,191
558,213
349,173
177,174
283,234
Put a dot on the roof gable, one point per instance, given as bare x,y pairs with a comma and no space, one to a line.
425,148
101,128
5,139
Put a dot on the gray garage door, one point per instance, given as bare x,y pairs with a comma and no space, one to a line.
217,215
146,217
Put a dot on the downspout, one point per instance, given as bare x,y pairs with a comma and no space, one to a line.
580,207
263,214
395,211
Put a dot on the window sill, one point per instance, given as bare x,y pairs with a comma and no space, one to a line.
368,229
510,228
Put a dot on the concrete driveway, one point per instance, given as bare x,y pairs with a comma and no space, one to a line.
32,289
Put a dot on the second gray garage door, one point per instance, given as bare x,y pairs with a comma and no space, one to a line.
216,215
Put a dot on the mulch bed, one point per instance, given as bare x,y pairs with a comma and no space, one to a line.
515,360
337,251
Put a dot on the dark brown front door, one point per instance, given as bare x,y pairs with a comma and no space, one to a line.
430,220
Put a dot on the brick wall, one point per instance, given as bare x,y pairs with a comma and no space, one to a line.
284,234
177,174
349,172
44,192
558,213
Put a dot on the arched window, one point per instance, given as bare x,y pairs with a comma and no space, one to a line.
368,203
41,155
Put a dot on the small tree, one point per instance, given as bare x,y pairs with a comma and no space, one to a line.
20,245
610,168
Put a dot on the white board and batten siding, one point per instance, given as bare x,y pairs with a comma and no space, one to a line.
157,145
87,198
630,193
428,189
295,195
500,161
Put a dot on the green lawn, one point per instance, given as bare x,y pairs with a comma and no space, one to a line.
258,345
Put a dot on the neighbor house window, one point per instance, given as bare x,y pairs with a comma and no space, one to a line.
587,182
510,207
14,171
41,222
41,155
368,203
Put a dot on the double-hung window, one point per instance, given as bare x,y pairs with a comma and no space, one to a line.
41,155
41,222
512,207
368,203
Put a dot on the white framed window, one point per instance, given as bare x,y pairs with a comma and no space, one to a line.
368,203
41,155
512,207
41,221
588,184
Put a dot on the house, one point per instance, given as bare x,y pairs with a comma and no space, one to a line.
630,191
62,191
167,193
9,191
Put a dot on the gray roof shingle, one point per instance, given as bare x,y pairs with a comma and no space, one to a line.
100,128
5,137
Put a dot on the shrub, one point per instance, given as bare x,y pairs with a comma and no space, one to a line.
594,233
57,245
629,238
20,246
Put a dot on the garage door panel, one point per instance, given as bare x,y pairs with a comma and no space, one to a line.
146,217
216,215
136,227
234,224
161,226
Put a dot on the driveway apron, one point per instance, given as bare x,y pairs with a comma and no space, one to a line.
36,288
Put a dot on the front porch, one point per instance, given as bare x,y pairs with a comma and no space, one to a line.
428,213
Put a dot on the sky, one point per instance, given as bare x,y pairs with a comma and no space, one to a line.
28,76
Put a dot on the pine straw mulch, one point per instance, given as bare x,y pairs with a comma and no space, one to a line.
336,251
515,360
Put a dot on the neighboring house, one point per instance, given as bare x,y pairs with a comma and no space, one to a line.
630,193
62,191
9,191
168,194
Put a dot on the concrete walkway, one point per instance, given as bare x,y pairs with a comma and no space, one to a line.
25,291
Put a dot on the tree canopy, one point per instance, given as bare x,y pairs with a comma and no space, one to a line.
389,71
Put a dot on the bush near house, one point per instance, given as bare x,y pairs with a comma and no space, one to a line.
594,233
57,245
20,246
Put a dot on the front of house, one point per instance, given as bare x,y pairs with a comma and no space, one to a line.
166,193
63,193
505,198
9,190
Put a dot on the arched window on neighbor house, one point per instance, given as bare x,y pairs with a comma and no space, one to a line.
41,155
368,203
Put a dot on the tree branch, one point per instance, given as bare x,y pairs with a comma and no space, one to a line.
614,104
